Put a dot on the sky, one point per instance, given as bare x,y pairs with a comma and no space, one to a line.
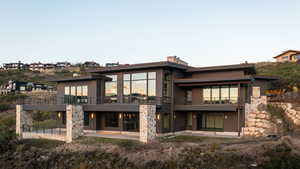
201,32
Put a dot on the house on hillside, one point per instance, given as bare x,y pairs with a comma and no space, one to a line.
15,66
90,64
288,56
24,87
42,67
173,95
62,65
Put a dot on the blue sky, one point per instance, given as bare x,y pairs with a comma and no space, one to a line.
201,32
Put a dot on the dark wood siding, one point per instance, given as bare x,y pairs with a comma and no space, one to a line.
218,74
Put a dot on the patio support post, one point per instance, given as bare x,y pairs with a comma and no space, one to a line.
147,123
22,118
74,115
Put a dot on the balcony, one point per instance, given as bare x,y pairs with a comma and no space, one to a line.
212,104
86,100
217,100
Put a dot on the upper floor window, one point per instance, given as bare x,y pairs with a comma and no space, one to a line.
220,94
139,86
285,57
111,88
167,83
75,94
188,96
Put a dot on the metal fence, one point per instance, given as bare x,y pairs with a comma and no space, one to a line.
86,100
43,130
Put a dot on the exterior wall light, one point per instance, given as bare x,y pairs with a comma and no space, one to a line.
120,115
158,116
92,115
59,115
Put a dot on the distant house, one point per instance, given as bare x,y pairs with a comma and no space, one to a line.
21,87
15,66
62,65
288,56
91,64
42,67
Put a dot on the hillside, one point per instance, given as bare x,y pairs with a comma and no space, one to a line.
30,76
288,73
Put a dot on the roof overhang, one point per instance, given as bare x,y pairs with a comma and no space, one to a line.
81,78
138,67
246,67
219,81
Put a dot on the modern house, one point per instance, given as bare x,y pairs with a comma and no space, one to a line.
288,56
15,66
186,97
24,87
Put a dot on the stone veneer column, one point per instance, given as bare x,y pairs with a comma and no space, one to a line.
147,123
22,118
74,118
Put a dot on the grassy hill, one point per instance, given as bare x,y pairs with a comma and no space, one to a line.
30,76
289,73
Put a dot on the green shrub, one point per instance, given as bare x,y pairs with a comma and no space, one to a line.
42,116
10,98
7,138
4,107
277,112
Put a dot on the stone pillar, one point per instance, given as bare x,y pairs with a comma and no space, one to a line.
22,118
74,118
147,123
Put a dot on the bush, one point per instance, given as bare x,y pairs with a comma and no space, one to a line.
42,116
277,112
4,107
10,98
7,138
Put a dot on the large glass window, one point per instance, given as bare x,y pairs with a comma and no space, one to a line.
166,121
139,87
188,96
86,119
111,89
220,94
76,94
206,95
111,119
215,94
233,94
225,94
167,84
212,121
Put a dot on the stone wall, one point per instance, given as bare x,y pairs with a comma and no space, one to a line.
74,115
260,123
147,123
22,118
292,114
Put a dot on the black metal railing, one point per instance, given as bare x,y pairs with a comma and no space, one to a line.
43,130
218,100
87,100
146,100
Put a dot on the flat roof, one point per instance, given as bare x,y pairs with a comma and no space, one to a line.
223,67
80,78
139,66
244,66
